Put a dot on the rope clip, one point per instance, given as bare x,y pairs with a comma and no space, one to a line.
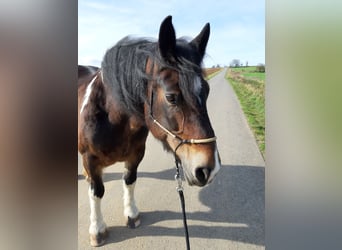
179,183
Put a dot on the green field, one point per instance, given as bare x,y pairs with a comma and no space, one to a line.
250,89
250,72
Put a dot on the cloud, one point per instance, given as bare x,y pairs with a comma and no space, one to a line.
237,29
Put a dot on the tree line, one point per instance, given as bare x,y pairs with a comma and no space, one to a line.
235,63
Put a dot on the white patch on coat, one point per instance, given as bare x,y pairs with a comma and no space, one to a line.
97,224
87,94
200,159
191,163
130,209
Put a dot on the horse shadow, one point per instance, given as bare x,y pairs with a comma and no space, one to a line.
162,175
236,201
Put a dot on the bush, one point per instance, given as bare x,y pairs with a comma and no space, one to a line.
260,68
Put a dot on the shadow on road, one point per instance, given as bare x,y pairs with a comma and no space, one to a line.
162,175
237,196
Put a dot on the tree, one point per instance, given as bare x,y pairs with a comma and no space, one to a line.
235,63
260,68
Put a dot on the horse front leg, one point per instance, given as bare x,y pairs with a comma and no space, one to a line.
97,228
131,212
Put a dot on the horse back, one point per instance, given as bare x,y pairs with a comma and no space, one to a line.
84,71
85,75
104,129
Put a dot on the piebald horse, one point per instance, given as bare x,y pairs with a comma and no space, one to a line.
144,85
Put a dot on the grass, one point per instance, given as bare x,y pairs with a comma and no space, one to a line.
250,73
249,86
255,75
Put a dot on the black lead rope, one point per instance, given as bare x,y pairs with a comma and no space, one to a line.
179,164
181,195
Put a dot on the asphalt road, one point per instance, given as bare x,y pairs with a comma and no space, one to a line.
227,214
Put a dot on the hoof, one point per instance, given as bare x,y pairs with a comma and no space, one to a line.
133,222
98,239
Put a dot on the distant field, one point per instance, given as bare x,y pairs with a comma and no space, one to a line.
250,89
211,72
250,72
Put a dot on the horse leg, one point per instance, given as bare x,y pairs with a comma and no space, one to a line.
97,228
131,211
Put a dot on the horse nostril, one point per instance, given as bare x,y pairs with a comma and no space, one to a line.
202,174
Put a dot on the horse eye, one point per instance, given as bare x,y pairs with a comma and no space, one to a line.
172,98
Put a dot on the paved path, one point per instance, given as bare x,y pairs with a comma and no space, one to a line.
227,214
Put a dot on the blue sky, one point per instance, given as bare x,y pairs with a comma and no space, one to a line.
237,27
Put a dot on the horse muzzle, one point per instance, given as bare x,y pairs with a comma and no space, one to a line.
201,174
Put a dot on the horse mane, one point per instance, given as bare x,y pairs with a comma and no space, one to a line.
123,70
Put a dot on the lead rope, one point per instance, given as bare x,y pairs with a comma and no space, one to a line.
178,178
179,189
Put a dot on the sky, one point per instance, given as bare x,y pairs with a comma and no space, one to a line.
237,27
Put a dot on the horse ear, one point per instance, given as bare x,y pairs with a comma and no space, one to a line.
201,40
167,39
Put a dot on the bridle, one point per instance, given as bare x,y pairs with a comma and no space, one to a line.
150,69
175,136
178,178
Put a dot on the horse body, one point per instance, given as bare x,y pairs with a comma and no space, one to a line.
109,135
140,82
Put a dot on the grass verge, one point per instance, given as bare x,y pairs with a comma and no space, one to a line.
251,94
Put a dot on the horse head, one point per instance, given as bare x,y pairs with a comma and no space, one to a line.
175,110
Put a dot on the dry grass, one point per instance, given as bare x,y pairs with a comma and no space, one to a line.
211,72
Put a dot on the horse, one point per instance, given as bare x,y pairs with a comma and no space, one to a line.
144,86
